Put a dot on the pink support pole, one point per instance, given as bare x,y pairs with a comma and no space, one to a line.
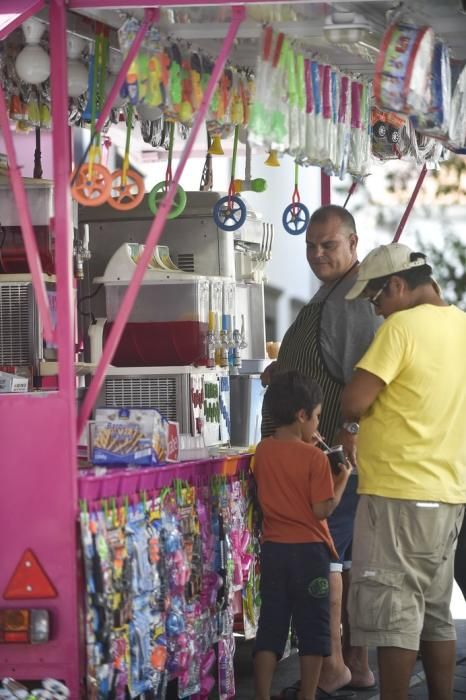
325,190
150,16
351,190
29,238
63,224
157,226
15,12
413,198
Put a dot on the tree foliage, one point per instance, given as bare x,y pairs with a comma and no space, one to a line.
449,264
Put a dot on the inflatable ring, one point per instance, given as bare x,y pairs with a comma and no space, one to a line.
157,194
295,218
229,213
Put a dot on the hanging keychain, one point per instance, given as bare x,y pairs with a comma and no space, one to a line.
296,216
159,190
91,183
230,211
127,185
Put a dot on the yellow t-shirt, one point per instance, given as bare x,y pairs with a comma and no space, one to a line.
412,441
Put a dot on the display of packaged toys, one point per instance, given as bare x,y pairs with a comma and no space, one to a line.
402,74
125,436
436,120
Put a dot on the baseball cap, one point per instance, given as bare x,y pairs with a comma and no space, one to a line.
383,260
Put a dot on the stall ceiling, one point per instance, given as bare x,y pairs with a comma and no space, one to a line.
205,27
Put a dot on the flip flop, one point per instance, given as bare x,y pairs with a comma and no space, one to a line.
361,688
340,693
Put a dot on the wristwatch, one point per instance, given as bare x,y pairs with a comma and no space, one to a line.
352,428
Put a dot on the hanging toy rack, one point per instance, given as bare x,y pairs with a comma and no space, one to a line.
230,211
296,216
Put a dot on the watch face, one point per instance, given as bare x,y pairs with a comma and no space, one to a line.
352,428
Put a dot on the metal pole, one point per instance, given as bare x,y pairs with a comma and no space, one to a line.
325,190
22,205
413,197
354,184
238,14
63,224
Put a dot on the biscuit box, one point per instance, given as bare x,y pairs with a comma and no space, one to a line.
124,436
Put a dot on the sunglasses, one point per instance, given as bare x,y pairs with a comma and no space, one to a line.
374,299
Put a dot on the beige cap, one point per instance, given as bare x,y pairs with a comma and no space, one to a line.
382,261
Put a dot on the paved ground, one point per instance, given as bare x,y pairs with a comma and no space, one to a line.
288,670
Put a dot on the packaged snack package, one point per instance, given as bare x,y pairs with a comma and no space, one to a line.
124,436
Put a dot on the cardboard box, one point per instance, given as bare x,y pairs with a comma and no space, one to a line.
124,436
12,383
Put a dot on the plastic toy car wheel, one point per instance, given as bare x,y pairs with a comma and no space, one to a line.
157,194
379,130
393,135
295,218
229,213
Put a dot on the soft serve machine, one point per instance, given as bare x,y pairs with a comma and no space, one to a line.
194,345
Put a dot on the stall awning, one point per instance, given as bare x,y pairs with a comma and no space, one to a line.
15,12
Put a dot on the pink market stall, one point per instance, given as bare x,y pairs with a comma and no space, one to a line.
132,324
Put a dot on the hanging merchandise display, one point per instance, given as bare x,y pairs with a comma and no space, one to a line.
127,185
161,574
457,128
312,111
436,120
230,211
91,183
159,190
296,215
403,69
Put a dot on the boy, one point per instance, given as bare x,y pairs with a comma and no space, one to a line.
296,494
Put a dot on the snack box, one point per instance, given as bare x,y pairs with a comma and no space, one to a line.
129,436
12,383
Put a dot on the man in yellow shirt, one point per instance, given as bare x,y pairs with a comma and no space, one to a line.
409,395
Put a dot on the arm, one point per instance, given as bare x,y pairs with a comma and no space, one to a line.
359,394
325,508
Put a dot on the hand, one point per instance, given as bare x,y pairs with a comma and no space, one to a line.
344,474
349,443
267,374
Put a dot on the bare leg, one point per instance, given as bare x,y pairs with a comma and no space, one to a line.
439,661
310,671
264,668
334,673
395,670
356,658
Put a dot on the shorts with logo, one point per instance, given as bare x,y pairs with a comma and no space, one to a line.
294,588
402,573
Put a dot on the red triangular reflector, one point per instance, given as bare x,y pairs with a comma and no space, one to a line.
29,580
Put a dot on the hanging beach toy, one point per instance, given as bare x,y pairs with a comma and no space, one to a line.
296,216
161,188
127,185
230,211
258,184
91,182
272,161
